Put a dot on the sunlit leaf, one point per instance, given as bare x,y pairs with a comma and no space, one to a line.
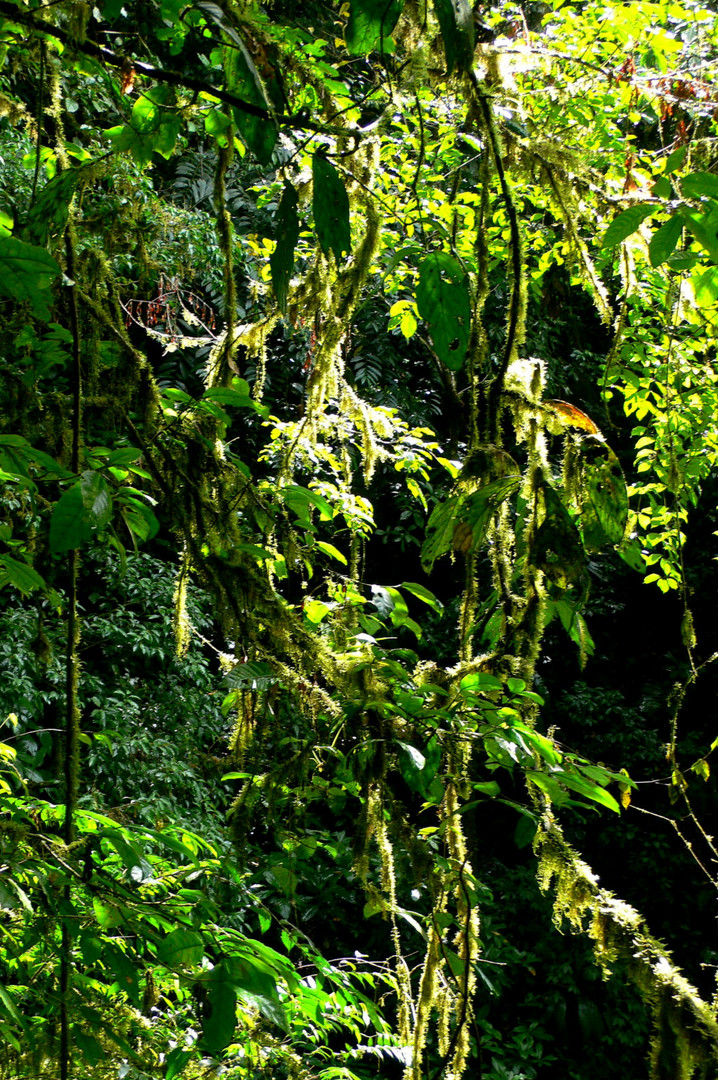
626,223
571,416
664,240
444,302
696,184
370,25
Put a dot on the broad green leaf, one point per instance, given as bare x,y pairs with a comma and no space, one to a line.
259,132
370,25
557,548
626,223
255,675
69,524
632,554
477,512
26,274
696,184
444,302
456,21
705,228
281,261
176,1061
331,551
589,791
606,489
181,948
50,210
664,240
20,575
220,1014
440,531
704,283
422,593
330,204
301,500
96,499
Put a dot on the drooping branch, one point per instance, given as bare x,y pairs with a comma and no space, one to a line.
685,1029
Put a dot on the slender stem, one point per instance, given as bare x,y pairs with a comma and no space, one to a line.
71,748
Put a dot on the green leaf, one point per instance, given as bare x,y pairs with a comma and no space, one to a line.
606,490
181,948
589,791
423,593
258,132
69,526
704,283
176,1061
440,531
705,228
50,210
444,302
626,223
664,240
281,261
331,551
557,548
220,1010
696,184
26,274
96,499
20,575
330,204
456,22
370,25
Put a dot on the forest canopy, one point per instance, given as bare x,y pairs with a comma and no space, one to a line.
358,451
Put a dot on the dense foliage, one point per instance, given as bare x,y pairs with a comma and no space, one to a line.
358,416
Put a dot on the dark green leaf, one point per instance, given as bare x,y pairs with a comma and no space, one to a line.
664,240
259,132
457,32
700,183
50,210
26,274
331,208
69,525
606,488
370,25
444,301
626,223
220,1010
423,594
287,233
557,548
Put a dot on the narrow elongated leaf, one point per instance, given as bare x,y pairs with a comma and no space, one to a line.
700,183
370,25
331,208
26,274
281,261
444,301
456,22
664,240
626,223
259,132
423,593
